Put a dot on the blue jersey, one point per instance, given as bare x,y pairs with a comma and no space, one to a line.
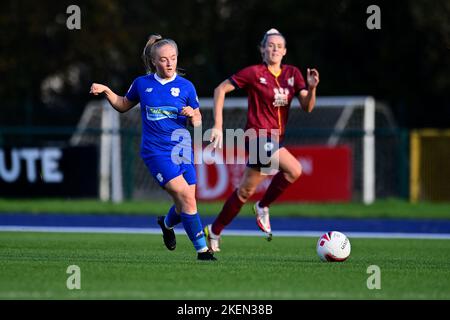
161,104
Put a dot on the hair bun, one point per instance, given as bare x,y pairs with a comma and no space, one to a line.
272,31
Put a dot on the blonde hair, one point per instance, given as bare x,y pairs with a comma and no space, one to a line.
271,32
155,41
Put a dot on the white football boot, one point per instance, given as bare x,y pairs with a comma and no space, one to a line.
212,239
262,219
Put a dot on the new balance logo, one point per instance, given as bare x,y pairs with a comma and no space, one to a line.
148,90
200,234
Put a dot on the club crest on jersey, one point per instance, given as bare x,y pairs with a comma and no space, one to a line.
281,97
291,81
263,80
175,92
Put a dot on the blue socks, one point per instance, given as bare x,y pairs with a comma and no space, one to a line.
172,218
194,230
191,223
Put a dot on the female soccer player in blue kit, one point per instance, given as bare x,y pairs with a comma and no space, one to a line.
168,101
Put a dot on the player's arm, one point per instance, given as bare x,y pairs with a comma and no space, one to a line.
194,115
219,100
196,119
307,98
121,104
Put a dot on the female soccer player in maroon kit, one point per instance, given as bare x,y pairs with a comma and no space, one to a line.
270,86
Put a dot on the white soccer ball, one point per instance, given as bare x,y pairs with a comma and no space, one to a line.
333,246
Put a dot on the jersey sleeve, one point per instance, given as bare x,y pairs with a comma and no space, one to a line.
192,99
242,78
299,81
133,93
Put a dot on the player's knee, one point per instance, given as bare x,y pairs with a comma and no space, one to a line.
294,173
188,202
245,193
189,206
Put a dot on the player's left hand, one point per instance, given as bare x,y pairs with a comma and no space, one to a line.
187,111
312,78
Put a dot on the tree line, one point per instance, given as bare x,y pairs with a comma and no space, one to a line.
46,68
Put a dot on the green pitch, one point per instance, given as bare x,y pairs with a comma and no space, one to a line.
119,266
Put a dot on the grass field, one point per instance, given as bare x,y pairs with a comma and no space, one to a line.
391,208
127,266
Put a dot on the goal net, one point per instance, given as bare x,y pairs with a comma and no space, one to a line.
334,121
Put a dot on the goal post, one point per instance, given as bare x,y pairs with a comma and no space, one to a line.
103,117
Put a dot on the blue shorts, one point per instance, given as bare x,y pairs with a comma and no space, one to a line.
163,169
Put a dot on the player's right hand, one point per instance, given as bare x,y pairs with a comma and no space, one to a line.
216,137
187,111
97,89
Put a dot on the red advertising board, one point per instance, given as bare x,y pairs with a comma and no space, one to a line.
326,177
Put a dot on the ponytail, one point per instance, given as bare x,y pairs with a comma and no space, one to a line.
154,42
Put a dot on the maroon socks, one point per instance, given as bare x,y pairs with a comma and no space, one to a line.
233,204
230,210
276,188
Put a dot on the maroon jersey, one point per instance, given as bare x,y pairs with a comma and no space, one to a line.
269,96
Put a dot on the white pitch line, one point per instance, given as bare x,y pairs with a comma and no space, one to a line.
383,235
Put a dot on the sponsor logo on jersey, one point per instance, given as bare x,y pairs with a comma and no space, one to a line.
148,90
263,80
281,97
160,113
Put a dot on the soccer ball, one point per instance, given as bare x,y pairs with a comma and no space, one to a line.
333,246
